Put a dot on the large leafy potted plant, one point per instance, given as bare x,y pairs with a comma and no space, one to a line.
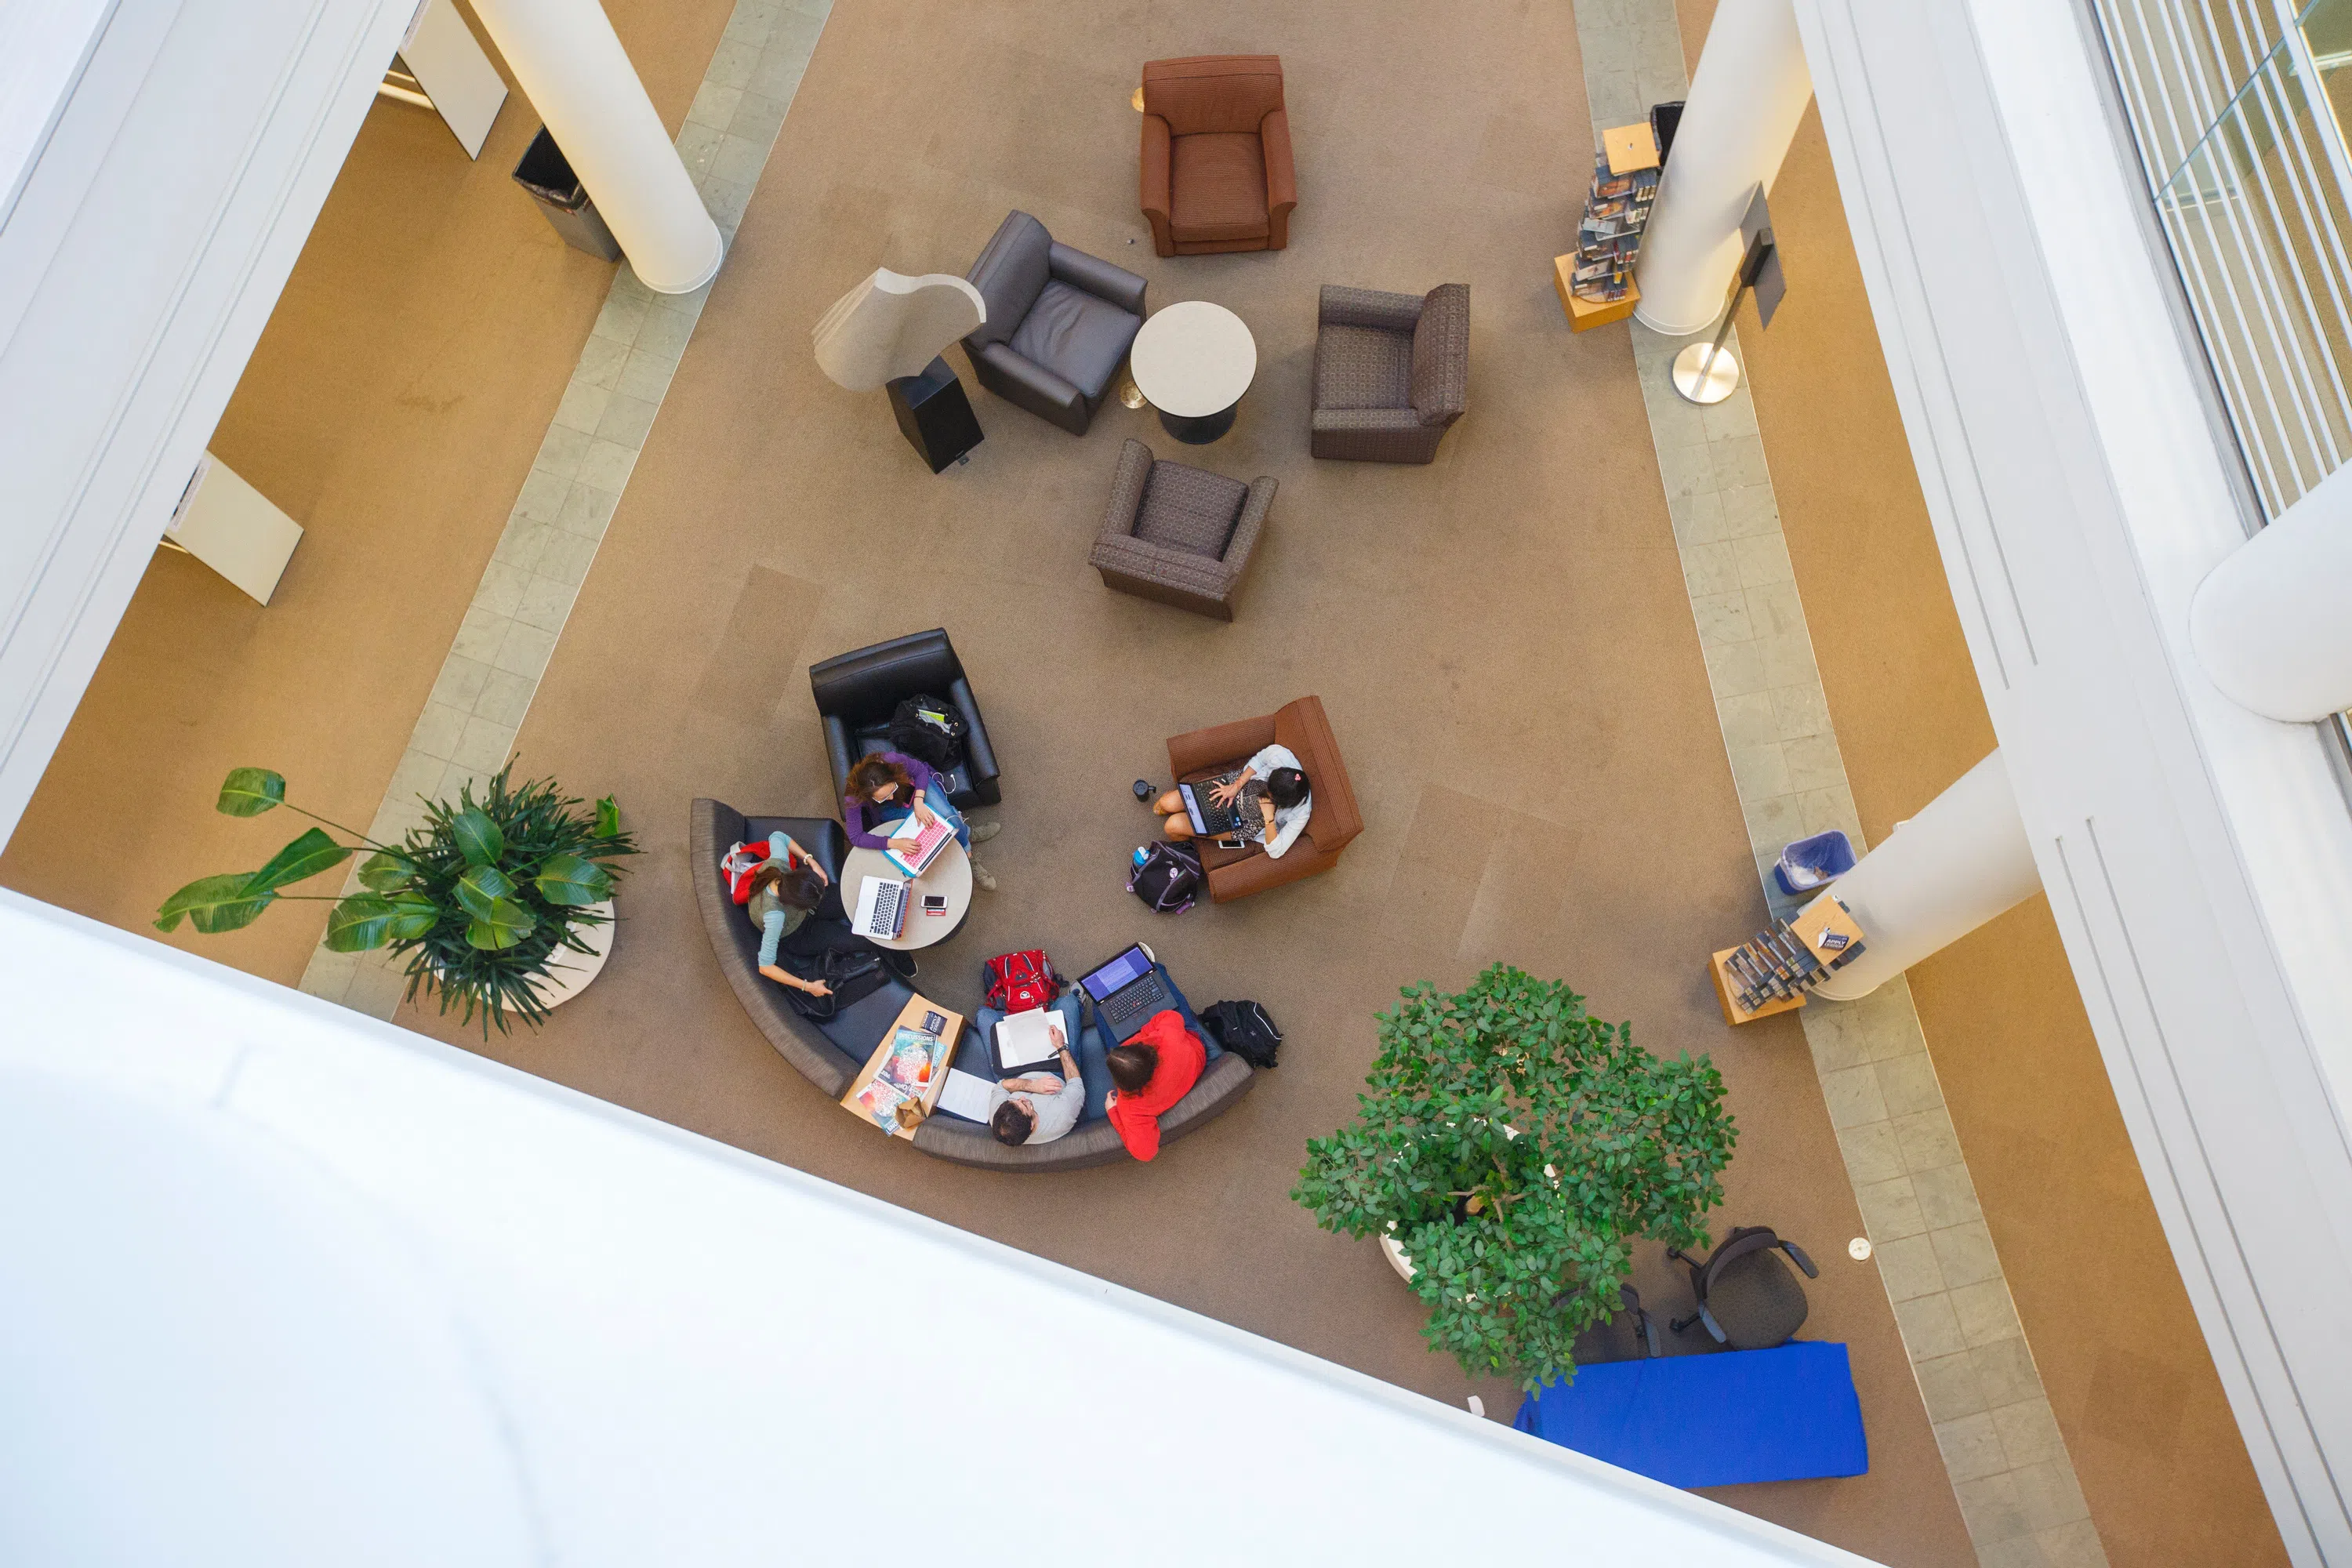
1513,1145
480,900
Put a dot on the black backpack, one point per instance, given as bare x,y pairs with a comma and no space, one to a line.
853,974
1168,877
1245,1029
929,730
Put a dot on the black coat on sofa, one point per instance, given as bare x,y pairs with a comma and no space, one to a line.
1059,323
831,1054
856,692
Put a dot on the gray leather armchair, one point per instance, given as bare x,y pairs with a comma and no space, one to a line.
1059,323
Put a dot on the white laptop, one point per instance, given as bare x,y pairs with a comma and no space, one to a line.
881,907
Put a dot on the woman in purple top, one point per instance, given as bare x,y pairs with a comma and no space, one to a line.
887,788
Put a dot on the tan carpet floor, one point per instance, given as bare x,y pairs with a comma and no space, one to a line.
1502,640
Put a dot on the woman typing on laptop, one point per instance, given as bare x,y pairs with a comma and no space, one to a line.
1280,804
890,788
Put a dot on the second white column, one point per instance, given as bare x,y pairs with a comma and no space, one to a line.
570,63
1750,89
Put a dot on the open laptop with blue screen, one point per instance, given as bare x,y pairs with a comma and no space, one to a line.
1127,993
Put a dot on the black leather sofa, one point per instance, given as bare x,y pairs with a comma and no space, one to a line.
830,1055
856,693
1059,323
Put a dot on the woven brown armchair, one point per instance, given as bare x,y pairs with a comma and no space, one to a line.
1391,372
1178,534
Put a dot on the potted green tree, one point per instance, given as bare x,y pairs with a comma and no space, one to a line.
1512,1145
480,900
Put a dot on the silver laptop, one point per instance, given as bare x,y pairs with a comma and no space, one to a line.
881,909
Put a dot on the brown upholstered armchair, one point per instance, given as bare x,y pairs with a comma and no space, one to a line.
1216,154
1332,824
1178,534
1391,372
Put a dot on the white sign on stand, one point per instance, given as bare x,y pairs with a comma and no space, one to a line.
233,528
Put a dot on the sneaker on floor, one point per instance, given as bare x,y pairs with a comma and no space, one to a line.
983,877
981,832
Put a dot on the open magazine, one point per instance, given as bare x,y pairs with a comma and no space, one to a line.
904,1077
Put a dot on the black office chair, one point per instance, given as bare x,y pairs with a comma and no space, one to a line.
1607,1341
1747,1297
856,692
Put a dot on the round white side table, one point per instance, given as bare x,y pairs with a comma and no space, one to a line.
1193,361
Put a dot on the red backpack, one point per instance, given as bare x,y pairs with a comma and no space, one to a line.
1019,982
737,866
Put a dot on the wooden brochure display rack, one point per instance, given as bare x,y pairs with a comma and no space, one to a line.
1775,971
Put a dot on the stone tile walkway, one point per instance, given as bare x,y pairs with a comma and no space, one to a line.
1999,1436
525,595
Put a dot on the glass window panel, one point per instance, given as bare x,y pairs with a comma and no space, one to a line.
2259,226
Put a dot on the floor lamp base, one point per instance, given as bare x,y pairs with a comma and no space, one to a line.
1703,381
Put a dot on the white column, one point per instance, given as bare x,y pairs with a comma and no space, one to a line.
571,67
1750,89
2272,624
1963,860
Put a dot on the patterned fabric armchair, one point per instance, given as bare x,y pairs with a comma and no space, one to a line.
1391,372
1177,535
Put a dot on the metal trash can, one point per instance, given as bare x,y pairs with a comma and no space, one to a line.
1809,863
547,174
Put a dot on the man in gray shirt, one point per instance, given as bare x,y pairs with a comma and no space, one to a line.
1038,1106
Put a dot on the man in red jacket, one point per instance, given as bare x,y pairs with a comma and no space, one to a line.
1157,1068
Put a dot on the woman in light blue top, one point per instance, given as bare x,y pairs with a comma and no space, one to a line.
798,911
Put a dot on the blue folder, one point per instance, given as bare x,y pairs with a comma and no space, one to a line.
1711,1420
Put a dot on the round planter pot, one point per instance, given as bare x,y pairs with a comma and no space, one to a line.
1397,1260
568,973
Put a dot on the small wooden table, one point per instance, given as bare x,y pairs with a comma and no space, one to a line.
1193,361
918,1012
948,877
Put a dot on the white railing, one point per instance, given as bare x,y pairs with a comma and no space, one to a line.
2244,156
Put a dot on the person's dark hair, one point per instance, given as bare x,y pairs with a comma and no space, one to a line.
1131,1067
875,770
1285,787
799,887
1012,1123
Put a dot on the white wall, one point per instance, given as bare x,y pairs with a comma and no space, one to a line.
142,255
2199,859
316,1289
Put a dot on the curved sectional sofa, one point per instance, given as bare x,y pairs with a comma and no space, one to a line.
829,1055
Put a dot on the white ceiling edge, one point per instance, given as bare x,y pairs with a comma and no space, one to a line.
44,44
673,1335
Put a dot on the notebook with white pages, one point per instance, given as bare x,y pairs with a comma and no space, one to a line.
1025,1040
